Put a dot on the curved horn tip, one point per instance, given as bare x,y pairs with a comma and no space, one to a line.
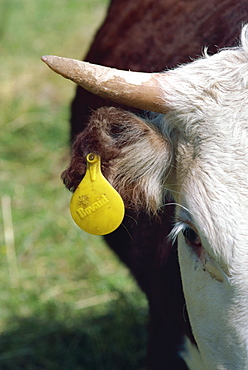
45,58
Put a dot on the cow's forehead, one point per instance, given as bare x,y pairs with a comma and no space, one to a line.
210,165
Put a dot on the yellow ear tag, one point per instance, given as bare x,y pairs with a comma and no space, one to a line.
96,207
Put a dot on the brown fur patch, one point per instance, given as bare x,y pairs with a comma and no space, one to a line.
134,157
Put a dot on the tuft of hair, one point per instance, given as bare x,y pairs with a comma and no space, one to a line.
135,157
244,38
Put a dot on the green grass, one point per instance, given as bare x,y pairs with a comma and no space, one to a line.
66,302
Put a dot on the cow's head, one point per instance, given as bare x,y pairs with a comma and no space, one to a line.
196,149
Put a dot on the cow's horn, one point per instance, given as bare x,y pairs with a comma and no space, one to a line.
136,89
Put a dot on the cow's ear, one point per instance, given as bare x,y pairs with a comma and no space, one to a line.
135,157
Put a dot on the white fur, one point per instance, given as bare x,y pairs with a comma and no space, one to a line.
208,124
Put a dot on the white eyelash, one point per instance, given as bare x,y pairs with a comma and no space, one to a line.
179,226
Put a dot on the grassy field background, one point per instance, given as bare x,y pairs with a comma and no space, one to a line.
65,300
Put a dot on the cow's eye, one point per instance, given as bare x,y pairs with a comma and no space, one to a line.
191,237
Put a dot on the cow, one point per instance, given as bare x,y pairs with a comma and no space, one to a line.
183,173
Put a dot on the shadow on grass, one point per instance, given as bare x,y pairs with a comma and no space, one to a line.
115,340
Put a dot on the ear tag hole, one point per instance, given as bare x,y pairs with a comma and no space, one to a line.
96,207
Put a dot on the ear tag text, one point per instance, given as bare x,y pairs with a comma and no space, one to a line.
96,207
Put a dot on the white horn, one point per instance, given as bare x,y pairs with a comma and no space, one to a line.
136,89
